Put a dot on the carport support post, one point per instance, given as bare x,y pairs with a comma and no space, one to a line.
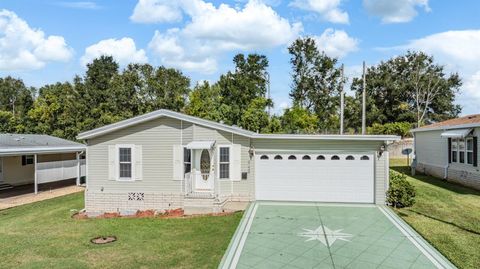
35,173
78,168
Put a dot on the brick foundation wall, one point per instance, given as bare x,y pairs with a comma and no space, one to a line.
466,178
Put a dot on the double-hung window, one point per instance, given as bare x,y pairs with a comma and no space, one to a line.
461,150
454,150
125,163
224,162
469,150
187,161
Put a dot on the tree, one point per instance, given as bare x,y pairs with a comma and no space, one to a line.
14,96
316,81
246,83
409,88
299,120
255,118
206,102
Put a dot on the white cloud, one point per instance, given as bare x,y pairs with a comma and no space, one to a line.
395,11
156,11
122,50
328,9
80,5
22,47
212,31
458,51
171,53
336,43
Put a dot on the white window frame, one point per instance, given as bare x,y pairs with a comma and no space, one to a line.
464,150
132,162
229,161
454,152
468,151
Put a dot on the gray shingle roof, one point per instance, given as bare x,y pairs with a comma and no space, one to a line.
32,143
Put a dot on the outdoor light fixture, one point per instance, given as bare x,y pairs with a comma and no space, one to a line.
251,151
381,150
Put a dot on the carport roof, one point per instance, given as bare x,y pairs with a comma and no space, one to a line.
17,144
220,126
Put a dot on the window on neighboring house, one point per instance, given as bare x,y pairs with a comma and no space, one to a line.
27,159
125,163
469,150
224,162
454,150
461,150
187,161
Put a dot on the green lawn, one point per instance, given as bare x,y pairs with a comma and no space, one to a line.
445,214
43,235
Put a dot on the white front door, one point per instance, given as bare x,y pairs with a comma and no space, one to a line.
341,177
202,171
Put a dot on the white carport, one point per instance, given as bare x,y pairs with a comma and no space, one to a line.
39,158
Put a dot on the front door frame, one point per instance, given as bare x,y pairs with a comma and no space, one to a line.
197,173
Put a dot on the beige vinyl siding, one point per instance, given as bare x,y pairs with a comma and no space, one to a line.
431,148
243,189
381,164
17,174
157,138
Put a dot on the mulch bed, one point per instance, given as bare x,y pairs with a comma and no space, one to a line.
168,214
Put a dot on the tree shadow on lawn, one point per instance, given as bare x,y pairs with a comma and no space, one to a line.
441,183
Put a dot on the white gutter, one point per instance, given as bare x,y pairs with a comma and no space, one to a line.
37,150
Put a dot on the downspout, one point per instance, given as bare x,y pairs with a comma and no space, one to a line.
445,169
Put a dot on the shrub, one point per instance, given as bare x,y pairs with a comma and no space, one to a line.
401,193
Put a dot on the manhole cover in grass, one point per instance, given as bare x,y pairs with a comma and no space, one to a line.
103,240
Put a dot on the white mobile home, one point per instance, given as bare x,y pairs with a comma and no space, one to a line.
163,160
449,150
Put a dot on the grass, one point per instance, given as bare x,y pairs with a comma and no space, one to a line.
445,214
43,235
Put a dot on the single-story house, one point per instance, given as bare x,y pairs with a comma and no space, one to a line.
38,159
449,150
164,160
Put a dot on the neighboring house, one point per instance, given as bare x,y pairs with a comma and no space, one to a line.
449,150
164,160
36,159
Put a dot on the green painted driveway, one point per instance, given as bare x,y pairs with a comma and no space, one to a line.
315,235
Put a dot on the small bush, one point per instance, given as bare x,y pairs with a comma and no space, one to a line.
401,193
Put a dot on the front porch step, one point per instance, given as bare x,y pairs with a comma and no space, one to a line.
202,205
5,186
201,195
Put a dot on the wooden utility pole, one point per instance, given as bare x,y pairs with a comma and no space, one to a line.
364,97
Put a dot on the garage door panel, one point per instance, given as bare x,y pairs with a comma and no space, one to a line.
315,180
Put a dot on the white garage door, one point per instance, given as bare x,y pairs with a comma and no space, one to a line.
315,177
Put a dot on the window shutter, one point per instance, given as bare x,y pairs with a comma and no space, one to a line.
177,162
449,150
138,169
112,162
24,160
236,163
475,151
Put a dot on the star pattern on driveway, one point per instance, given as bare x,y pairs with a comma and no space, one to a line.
325,235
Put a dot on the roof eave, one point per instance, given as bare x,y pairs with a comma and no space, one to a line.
448,127
329,137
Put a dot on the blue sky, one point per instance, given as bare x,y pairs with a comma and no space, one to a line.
45,41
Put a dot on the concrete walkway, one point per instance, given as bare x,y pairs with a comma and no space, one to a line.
28,198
